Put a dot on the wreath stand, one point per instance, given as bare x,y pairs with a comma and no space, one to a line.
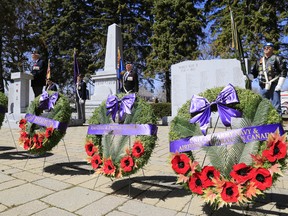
29,155
10,129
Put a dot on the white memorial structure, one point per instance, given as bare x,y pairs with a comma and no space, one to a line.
193,77
19,97
105,82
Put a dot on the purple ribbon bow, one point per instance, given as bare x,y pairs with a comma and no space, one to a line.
126,104
48,102
202,106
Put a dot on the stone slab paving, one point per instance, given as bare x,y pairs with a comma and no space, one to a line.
67,186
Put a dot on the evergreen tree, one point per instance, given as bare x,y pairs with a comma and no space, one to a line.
177,30
257,21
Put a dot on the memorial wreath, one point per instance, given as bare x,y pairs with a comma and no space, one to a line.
243,162
109,145
40,134
3,107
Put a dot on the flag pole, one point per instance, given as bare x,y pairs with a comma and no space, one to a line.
237,44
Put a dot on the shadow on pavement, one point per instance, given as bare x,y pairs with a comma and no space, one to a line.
6,148
153,187
69,168
277,201
22,155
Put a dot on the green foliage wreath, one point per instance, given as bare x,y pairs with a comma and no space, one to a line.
3,106
39,139
117,156
238,173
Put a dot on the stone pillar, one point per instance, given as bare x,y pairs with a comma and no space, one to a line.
19,92
105,82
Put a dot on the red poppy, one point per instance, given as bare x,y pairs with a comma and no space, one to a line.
41,137
127,163
38,144
109,168
262,178
276,151
48,132
180,163
90,148
27,143
35,138
230,192
23,136
22,123
208,173
195,183
138,149
241,173
96,161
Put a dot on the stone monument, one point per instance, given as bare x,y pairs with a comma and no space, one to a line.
19,96
105,82
194,77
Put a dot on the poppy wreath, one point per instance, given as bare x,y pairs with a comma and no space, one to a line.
40,134
236,173
117,156
3,107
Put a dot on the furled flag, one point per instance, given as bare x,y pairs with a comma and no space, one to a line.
48,73
76,67
120,66
237,44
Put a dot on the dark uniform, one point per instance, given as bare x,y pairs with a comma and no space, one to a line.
130,82
276,72
81,96
39,70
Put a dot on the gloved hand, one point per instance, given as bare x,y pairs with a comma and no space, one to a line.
280,84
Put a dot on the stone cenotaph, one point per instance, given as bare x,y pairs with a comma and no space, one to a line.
105,82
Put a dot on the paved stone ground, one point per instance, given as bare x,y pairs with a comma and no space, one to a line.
63,184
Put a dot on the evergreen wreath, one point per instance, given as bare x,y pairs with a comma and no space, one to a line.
236,174
40,139
117,156
3,107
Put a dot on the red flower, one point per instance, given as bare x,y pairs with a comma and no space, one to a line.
96,161
230,192
276,151
127,163
90,148
262,178
181,163
38,144
22,123
35,138
41,137
138,149
27,144
48,132
195,183
23,136
208,173
241,173
109,168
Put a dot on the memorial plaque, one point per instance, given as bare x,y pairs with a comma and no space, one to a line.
194,77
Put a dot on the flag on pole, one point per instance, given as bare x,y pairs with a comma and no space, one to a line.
120,66
76,67
48,73
237,44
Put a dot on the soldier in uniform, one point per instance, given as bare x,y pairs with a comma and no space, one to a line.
81,96
130,80
271,72
39,70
